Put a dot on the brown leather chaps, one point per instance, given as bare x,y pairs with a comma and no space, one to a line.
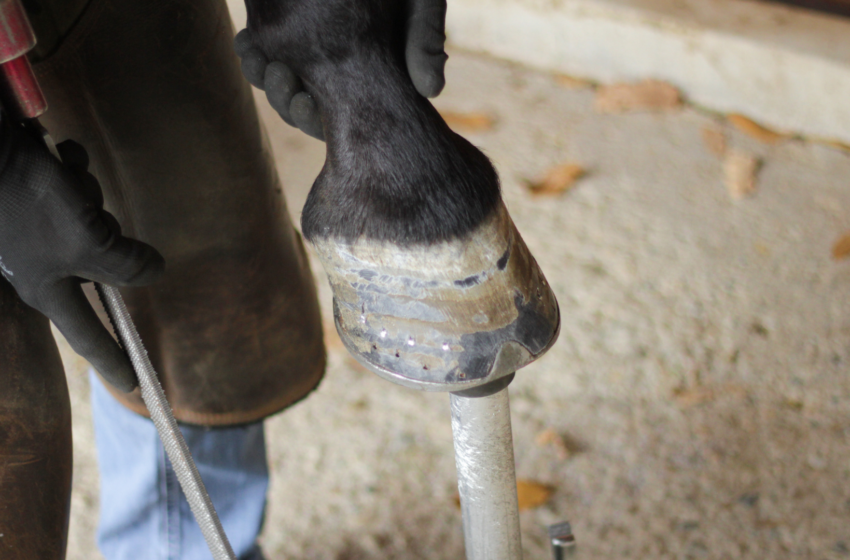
35,435
153,90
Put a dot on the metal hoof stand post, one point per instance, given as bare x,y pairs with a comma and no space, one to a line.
484,452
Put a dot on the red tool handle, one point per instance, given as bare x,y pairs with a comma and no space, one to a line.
19,91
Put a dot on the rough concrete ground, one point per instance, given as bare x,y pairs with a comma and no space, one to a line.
700,382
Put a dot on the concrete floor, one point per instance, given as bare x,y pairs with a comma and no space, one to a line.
700,381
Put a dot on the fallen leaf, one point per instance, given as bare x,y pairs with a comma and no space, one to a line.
755,130
794,404
571,82
551,438
547,436
841,248
649,95
714,140
359,405
739,172
693,396
468,122
759,329
557,180
531,494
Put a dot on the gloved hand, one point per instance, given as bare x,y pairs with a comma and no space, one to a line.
424,53
54,235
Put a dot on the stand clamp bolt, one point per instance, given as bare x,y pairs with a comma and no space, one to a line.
563,541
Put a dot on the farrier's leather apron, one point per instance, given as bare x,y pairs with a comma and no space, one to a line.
153,90
35,435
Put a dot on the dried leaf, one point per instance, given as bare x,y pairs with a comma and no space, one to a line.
468,122
557,180
794,404
532,494
649,95
841,248
691,397
547,436
688,397
551,438
759,329
755,130
360,405
571,82
739,171
714,140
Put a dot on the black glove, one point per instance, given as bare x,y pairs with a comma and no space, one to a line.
54,235
424,53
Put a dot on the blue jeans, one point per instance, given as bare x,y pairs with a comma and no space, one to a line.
143,513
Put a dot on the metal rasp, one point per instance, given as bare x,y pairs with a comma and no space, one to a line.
166,425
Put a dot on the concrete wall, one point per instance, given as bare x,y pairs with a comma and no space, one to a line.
786,68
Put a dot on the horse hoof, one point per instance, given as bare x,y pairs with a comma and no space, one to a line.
446,316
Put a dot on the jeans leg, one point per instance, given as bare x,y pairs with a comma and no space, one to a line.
143,513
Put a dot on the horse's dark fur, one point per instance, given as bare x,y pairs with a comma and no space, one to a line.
394,170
